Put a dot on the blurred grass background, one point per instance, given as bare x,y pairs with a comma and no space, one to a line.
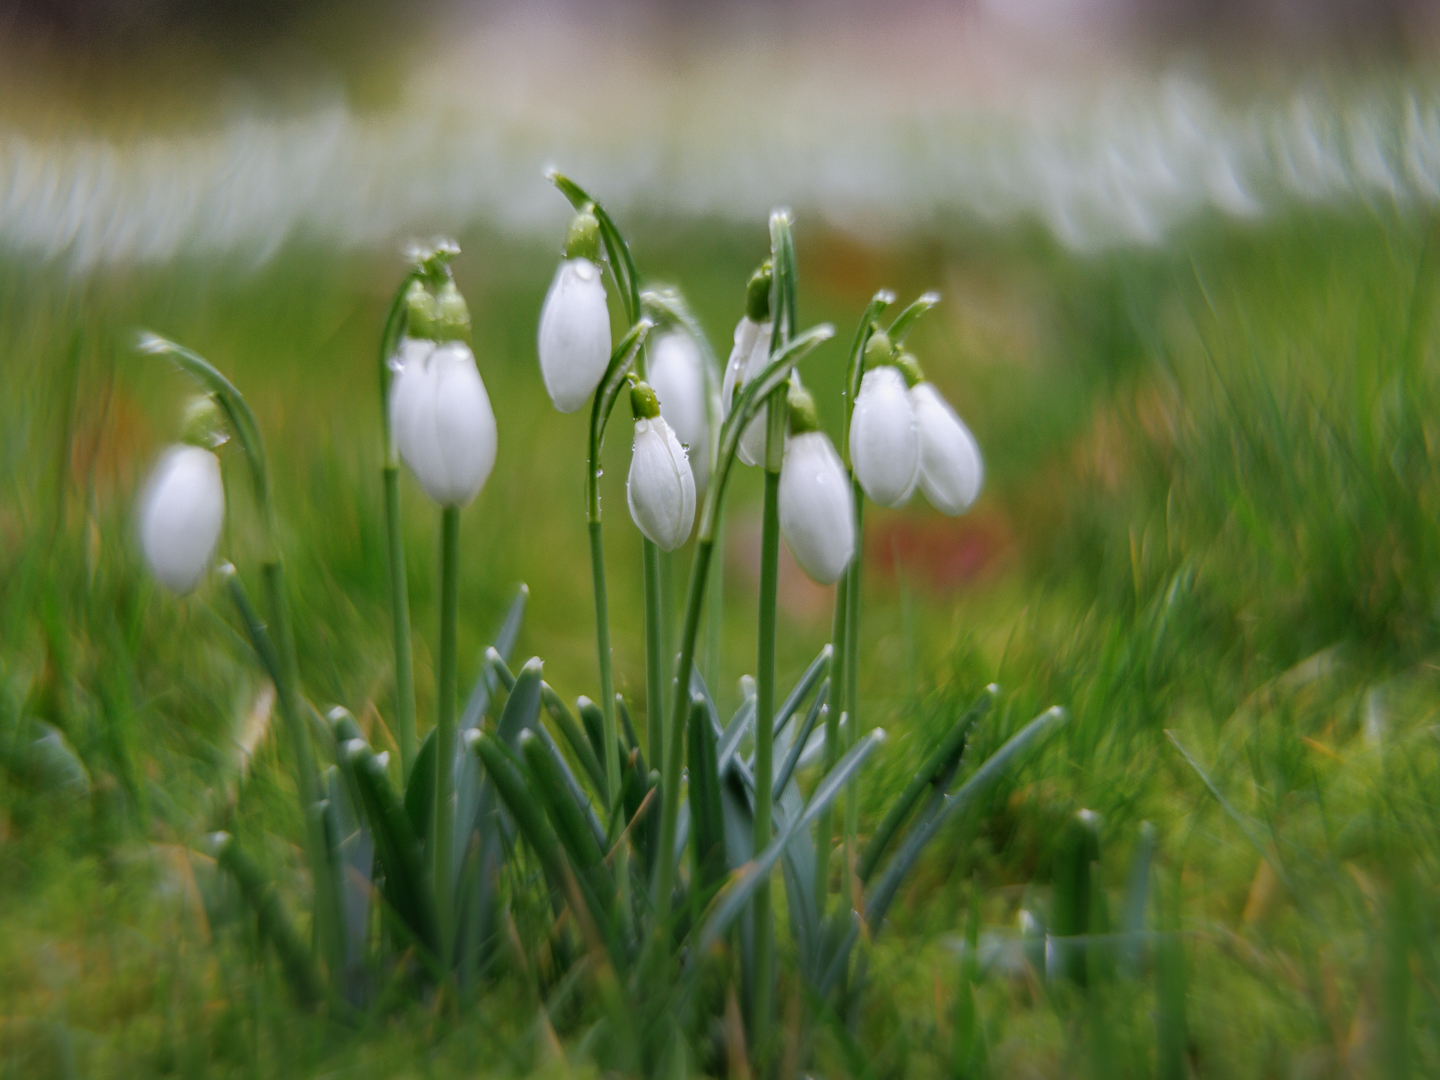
1210,512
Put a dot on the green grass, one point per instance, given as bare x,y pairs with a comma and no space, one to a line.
1211,510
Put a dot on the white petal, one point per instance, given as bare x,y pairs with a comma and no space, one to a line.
443,424
885,438
181,514
817,511
574,334
951,468
747,333
464,424
676,371
412,425
661,488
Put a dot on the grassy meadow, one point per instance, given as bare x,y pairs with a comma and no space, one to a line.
1209,531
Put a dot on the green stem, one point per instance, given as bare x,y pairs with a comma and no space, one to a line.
667,633
852,691
674,740
825,826
715,624
446,696
654,649
764,750
400,614
328,927
607,676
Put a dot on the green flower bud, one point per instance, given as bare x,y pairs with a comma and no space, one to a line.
804,417
422,315
204,423
757,293
910,368
453,315
582,241
878,350
643,402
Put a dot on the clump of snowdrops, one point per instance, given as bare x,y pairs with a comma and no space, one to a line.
659,856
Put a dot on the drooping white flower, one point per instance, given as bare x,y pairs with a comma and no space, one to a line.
441,420
951,469
748,358
885,437
181,513
676,371
817,509
574,334
661,487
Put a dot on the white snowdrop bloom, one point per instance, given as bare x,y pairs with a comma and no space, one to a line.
817,510
951,469
676,371
181,513
442,423
574,334
747,360
661,487
884,437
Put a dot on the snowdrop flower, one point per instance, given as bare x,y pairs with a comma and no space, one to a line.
575,322
676,371
183,506
884,435
951,469
747,360
817,509
661,487
440,415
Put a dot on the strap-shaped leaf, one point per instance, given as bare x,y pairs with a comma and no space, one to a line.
627,725
420,791
938,763
568,818
707,822
479,701
808,681
969,795
579,743
594,721
260,894
357,866
729,739
736,895
408,887
504,767
797,746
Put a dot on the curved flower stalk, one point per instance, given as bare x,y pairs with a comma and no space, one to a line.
275,644
429,262
183,506
817,508
444,429
587,238
661,488
884,434
575,325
